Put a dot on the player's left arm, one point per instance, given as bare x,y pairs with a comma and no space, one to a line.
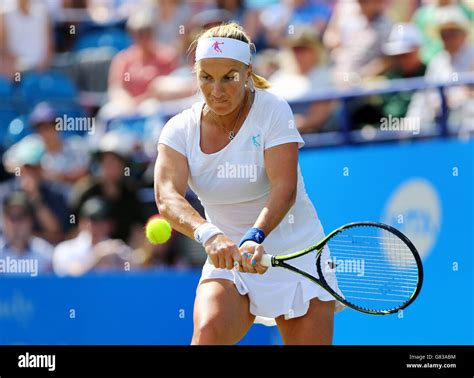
281,163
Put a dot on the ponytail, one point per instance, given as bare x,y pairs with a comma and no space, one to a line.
260,82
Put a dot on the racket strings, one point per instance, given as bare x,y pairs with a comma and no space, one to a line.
370,267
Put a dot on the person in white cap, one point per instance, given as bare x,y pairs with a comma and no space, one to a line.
238,151
403,47
426,18
449,66
404,38
458,55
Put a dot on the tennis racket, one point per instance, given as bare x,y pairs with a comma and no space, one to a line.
370,267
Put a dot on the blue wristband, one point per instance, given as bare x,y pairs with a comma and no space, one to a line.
255,234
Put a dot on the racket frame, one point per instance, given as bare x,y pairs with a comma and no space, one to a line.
280,261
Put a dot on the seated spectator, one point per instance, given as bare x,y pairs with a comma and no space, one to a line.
133,69
267,62
236,8
446,67
80,255
310,76
65,160
254,23
355,36
425,18
404,47
113,183
20,251
48,198
206,19
171,17
159,256
113,255
27,36
281,19
106,11
457,57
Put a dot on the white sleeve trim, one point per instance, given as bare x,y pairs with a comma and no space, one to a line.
173,145
285,139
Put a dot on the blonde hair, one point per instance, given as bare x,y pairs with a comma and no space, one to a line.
235,31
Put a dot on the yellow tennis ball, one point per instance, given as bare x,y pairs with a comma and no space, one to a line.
157,230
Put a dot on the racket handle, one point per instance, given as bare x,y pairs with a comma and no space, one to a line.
266,260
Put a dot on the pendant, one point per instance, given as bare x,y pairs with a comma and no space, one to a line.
231,135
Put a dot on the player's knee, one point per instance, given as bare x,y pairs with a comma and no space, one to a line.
209,332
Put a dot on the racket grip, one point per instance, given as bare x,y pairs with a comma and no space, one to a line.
266,260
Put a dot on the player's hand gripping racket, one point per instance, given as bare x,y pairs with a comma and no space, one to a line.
369,267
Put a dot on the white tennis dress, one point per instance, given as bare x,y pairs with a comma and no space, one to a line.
233,187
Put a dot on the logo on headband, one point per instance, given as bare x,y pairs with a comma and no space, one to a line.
216,47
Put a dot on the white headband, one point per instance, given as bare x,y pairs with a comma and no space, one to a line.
217,47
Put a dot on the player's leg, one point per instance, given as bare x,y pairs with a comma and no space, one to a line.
221,314
314,328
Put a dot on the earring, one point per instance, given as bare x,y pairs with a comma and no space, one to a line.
249,84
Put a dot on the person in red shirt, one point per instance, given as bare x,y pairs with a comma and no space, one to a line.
132,70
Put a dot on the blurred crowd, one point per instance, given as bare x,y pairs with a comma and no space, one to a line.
78,208
77,200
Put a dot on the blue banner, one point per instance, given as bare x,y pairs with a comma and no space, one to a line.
145,309
425,189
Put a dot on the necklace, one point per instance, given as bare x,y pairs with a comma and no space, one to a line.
232,132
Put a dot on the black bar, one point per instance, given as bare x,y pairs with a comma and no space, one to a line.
137,361
443,119
346,122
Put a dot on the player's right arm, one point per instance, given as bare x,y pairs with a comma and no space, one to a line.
171,180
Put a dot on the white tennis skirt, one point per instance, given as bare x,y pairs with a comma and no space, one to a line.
276,292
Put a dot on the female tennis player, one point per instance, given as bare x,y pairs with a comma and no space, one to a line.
238,151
